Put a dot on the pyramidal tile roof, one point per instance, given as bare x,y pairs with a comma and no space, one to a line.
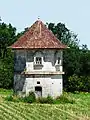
38,36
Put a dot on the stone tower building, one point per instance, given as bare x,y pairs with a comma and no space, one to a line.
38,62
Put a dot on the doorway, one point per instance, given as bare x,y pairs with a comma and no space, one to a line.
38,91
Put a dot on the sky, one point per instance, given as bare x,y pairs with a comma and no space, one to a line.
73,13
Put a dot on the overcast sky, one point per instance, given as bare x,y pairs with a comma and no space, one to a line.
74,13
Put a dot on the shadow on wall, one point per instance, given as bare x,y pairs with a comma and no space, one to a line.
19,82
19,64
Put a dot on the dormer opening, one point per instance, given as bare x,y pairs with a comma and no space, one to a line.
38,60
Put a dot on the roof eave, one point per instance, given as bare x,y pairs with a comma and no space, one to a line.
37,48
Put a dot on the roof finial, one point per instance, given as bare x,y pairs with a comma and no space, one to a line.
38,17
0,18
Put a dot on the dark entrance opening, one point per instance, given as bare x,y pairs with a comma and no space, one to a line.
38,91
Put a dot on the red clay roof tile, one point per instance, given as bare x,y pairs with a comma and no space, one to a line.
38,36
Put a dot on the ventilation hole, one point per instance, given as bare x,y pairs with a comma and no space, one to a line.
38,82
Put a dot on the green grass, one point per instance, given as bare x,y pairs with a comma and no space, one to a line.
79,110
5,92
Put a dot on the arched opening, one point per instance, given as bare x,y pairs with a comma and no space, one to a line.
38,91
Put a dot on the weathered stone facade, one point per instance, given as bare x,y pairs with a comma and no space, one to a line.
43,79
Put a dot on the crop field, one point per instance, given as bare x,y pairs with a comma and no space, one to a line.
80,110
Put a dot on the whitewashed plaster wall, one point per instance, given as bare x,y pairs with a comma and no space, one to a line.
51,85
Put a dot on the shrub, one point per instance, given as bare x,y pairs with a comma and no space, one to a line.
64,98
73,83
43,100
12,98
50,100
86,83
29,99
9,98
81,83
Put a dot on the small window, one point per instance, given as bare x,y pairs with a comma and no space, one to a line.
38,60
58,60
38,82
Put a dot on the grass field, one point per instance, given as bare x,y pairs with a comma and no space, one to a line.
80,110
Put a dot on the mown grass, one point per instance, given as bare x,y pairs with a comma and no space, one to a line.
78,110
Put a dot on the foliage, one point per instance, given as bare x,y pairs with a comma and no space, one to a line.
64,99
64,34
50,100
5,91
44,100
7,37
6,71
27,99
81,83
30,98
9,98
85,62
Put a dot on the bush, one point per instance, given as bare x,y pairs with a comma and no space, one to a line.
64,99
43,100
50,100
74,83
13,98
85,83
29,99
9,98
81,83
61,99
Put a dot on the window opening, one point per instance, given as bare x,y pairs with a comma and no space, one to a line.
38,60
58,60
38,82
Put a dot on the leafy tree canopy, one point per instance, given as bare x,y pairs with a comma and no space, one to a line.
7,37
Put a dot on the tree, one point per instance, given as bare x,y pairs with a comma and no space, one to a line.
64,34
7,37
